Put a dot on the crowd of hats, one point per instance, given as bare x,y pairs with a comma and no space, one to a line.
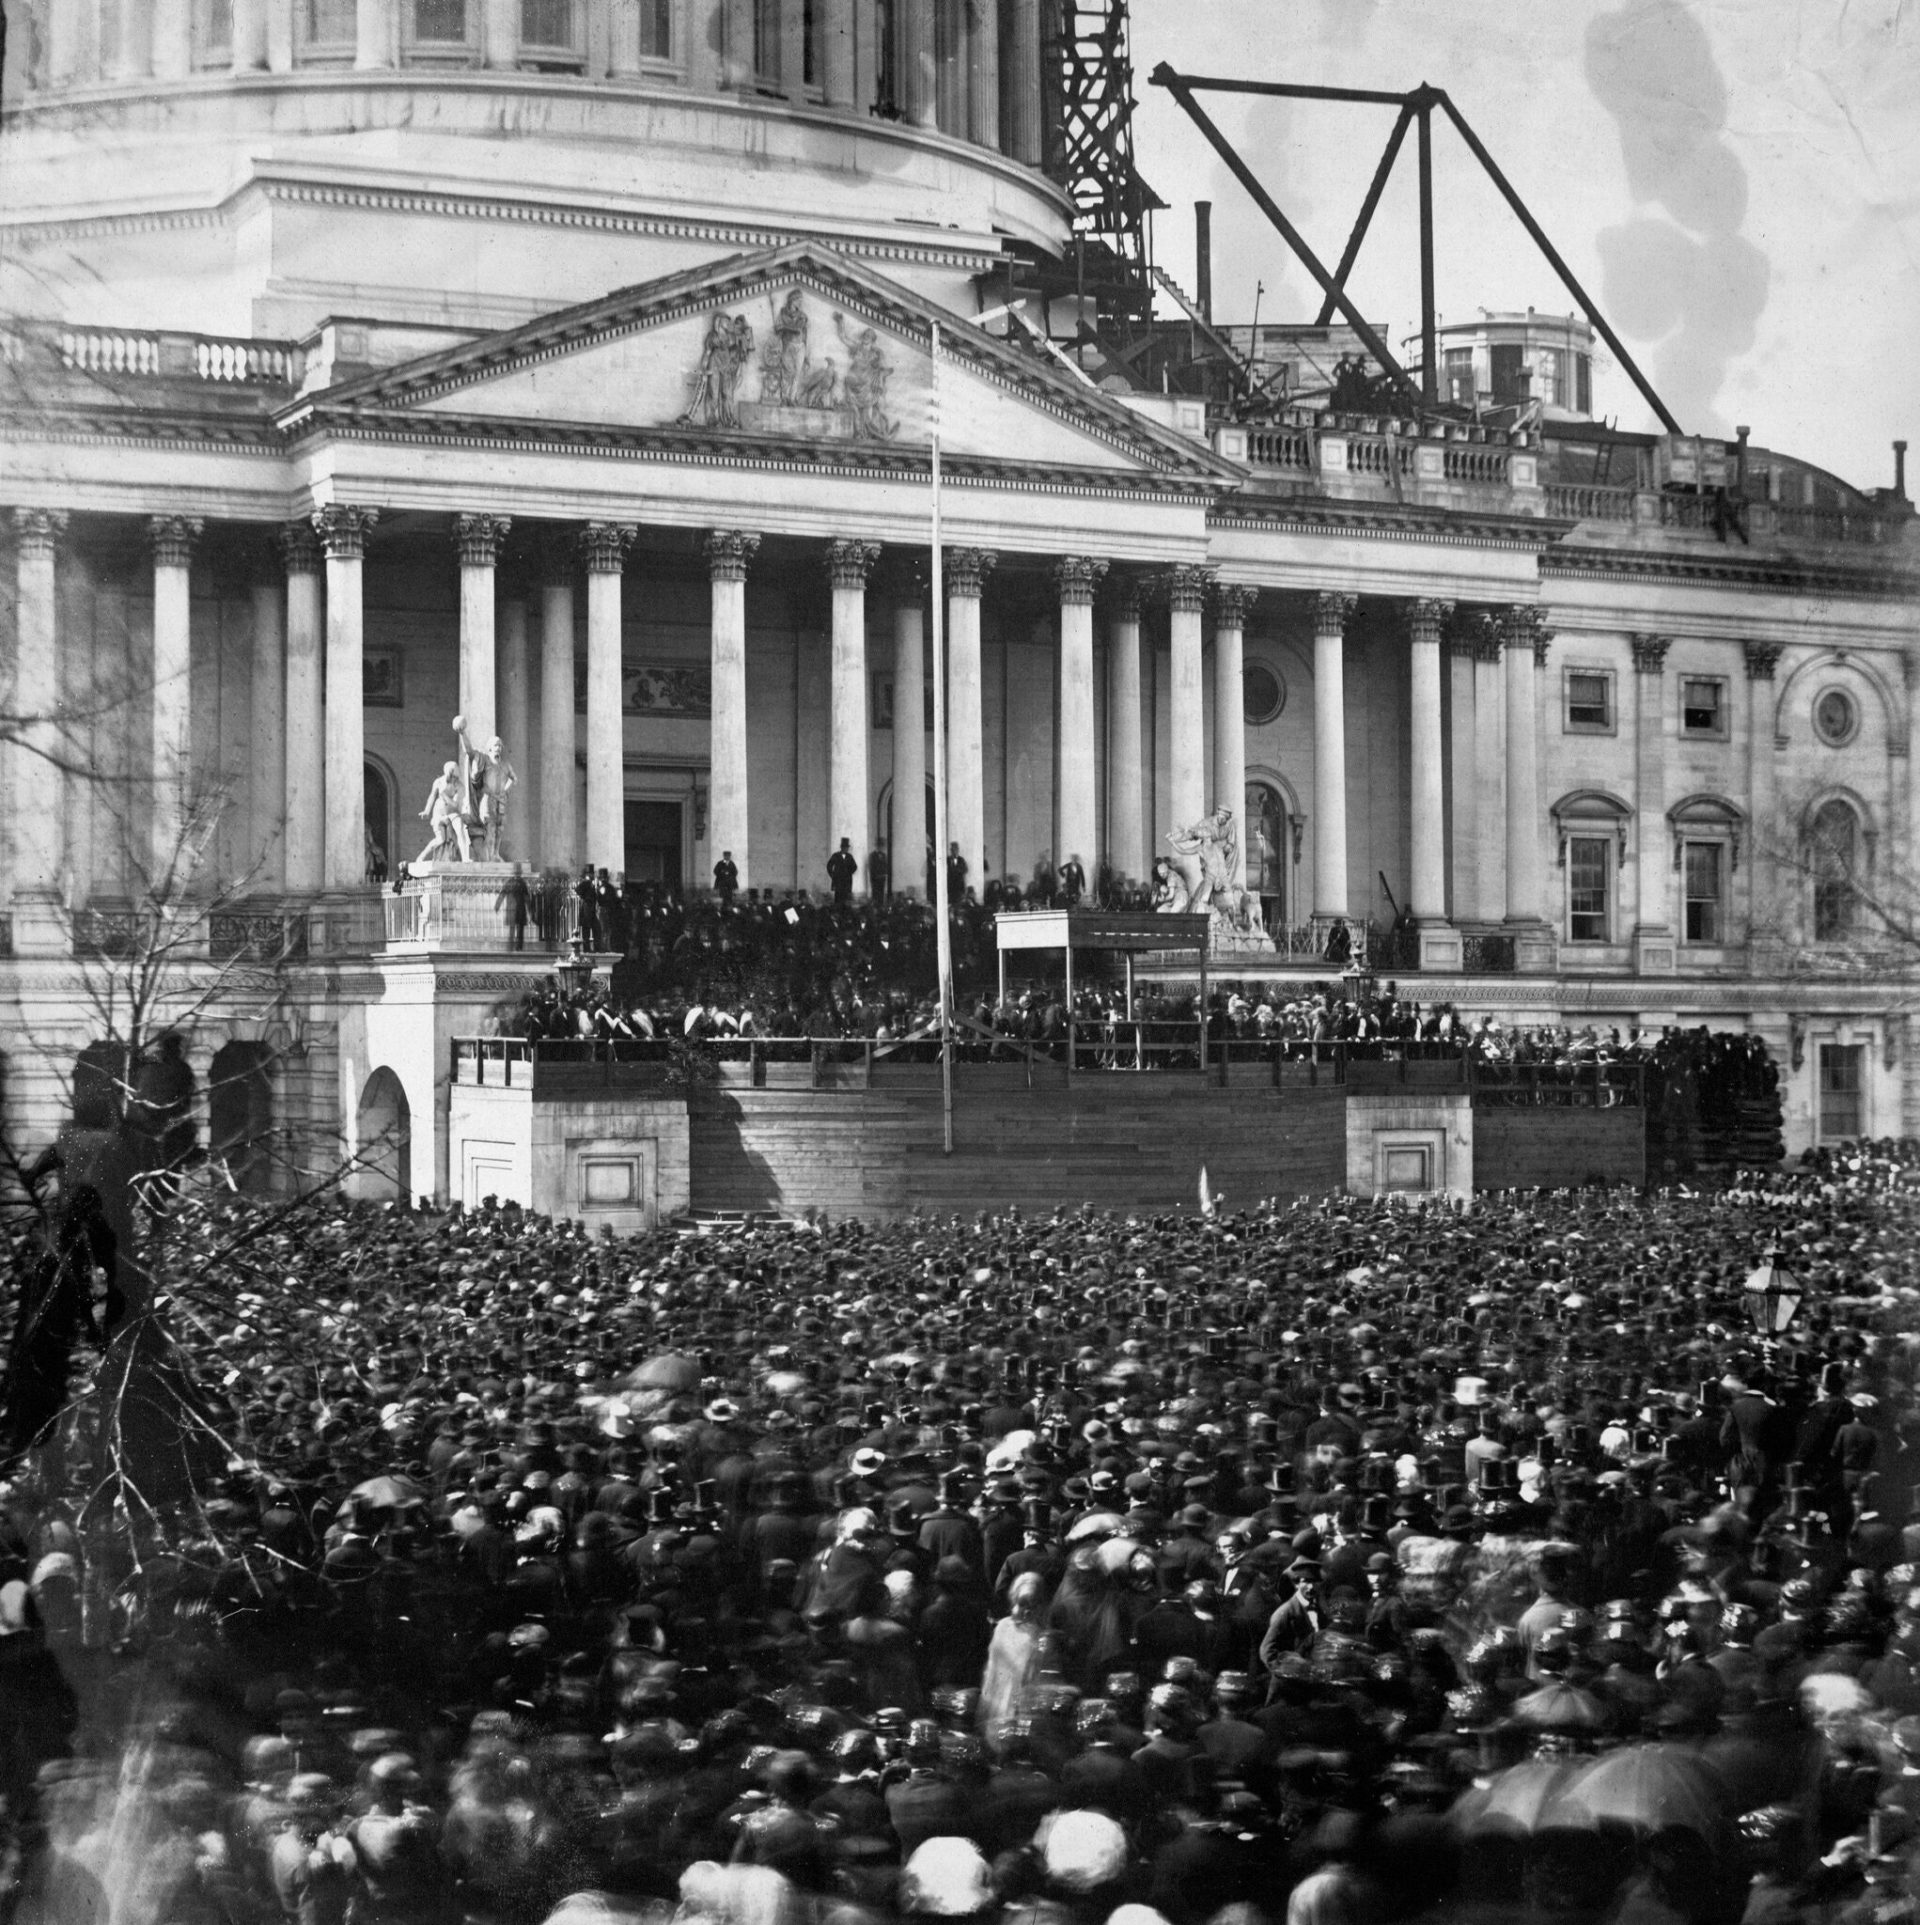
1074,1569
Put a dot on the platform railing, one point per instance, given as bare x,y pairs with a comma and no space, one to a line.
1091,1047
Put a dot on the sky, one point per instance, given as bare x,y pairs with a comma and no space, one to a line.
1736,183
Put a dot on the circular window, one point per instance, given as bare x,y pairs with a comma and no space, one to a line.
1835,718
1263,692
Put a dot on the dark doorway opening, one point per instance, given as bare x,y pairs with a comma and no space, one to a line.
654,831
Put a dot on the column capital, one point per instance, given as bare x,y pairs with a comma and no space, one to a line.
478,538
299,548
343,529
1186,586
1126,594
604,545
1762,659
1425,617
172,538
1524,626
967,570
1649,652
729,550
39,530
1332,612
849,563
1233,603
1076,577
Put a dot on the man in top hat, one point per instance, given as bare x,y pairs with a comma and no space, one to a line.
949,1531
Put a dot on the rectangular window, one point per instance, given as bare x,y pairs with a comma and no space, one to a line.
1583,384
1841,1109
212,32
1511,381
1553,375
1587,889
656,29
442,20
330,23
1589,699
1702,706
1701,871
547,25
766,42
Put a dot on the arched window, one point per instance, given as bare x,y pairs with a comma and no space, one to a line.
240,1114
1264,854
379,798
1834,836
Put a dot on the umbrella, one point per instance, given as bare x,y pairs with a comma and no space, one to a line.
1558,1706
1518,1800
1648,1788
1095,1524
668,1371
389,1493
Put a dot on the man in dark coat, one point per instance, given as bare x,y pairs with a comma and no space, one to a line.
842,866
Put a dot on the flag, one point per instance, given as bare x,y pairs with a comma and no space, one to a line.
1206,1193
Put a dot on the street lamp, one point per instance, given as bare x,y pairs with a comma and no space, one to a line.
574,970
1774,1294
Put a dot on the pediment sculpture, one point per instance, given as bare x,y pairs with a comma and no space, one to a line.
794,385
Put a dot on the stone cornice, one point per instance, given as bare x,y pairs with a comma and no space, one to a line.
1788,575
1295,514
144,428
711,448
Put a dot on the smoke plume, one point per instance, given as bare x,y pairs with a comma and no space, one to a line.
1685,279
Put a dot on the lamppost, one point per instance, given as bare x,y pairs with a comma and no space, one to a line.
574,970
1773,1295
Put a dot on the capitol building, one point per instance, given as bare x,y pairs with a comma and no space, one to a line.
575,367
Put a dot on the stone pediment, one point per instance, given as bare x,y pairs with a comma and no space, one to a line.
798,347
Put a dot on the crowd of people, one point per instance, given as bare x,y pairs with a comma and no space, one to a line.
1341,1562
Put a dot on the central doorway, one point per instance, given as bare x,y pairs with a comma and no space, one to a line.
654,831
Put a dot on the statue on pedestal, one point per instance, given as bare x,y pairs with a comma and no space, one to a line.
444,813
1206,881
488,779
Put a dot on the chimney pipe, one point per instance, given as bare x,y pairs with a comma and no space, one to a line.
1203,258
1740,461
1900,469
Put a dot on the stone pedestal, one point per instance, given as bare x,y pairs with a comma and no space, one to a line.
1533,948
1653,952
41,925
456,906
1442,949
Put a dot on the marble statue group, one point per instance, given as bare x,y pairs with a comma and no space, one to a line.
467,805
1203,877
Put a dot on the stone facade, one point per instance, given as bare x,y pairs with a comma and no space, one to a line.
625,453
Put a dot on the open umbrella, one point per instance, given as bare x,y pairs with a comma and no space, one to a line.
389,1493
1095,1524
1648,1788
1561,1707
669,1371
1519,1801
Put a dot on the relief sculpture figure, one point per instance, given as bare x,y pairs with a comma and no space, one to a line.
725,354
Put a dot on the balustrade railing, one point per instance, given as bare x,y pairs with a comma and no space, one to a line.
1494,465
260,935
158,353
1487,955
1290,449
1584,501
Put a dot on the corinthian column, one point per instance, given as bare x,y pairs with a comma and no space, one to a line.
848,787
605,546
1653,941
729,550
908,851
478,538
267,716
557,838
966,573
306,789
1186,599
1330,617
172,538
1126,798
1078,830
343,534
1231,604
33,804
1525,639
1440,947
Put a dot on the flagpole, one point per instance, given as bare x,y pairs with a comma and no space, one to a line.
943,930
